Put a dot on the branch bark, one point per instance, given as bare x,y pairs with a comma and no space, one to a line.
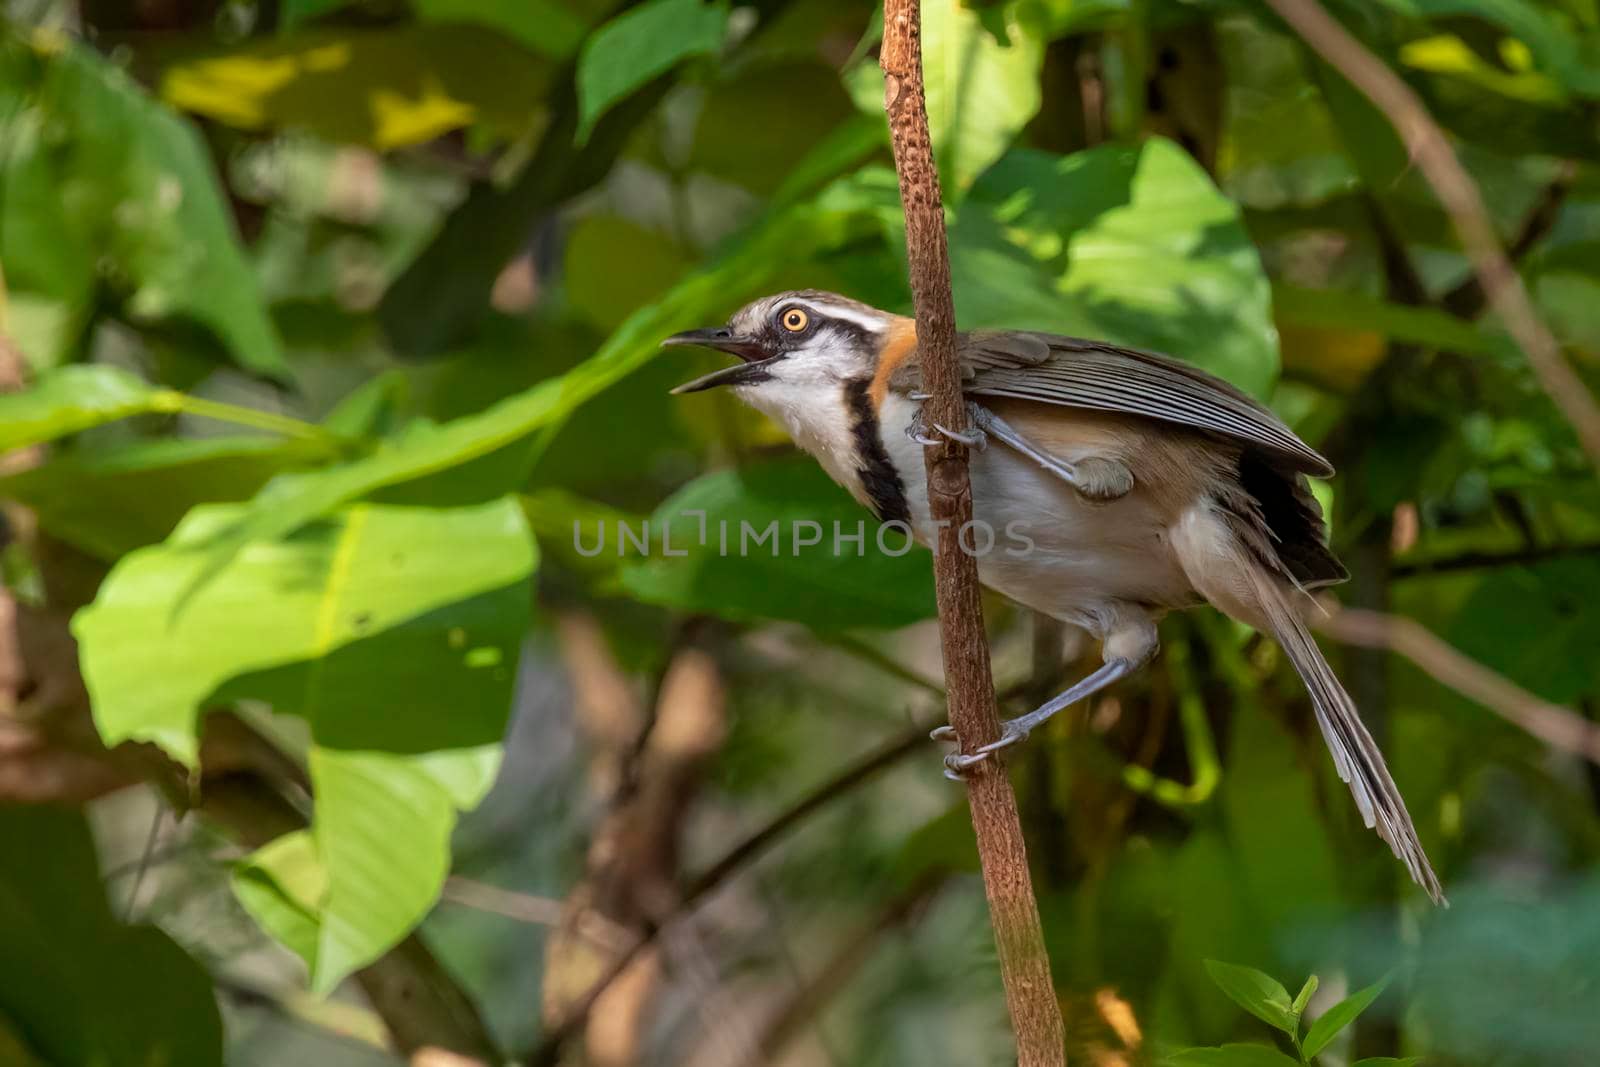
1458,194
1024,964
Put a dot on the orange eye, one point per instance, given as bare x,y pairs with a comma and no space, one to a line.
794,320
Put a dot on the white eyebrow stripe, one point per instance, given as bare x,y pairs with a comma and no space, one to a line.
834,311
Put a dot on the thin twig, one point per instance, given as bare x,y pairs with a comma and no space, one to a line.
813,995
1450,667
1463,203
1019,936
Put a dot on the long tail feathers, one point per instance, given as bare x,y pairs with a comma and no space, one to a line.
1355,753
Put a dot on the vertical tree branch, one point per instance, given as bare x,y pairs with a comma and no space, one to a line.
1462,202
1024,965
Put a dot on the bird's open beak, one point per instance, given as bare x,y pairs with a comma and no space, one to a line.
749,349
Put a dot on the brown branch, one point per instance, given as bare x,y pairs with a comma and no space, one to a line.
1450,667
1458,194
1467,300
1024,964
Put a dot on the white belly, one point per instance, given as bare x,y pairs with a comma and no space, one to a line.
1053,550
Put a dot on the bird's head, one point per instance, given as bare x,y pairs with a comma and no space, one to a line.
795,341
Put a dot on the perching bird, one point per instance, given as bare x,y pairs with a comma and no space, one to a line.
1144,484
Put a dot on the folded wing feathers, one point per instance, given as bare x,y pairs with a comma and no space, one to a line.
1105,377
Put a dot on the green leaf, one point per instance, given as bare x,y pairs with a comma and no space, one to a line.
638,45
82,987
384,88
148,216
395,632
1341,1015
1259,994
830,585
109,501
73,398
1302,998
330,604
1230,1056
747,267
1133,245
982,79
1388,1061
283,885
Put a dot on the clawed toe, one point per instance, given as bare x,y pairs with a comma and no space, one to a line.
971,438
942,733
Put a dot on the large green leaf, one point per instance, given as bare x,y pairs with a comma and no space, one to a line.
367,624
394,631
80,987
103,186
982,78
639,44
1133,245
830,585
744,270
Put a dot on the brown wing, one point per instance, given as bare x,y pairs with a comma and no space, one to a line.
1097,376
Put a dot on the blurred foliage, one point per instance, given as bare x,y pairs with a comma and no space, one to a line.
339,320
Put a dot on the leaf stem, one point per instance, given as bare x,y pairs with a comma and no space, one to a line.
239,415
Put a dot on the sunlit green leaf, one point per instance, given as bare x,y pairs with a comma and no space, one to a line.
982,79
1133,245
638,45
73,398
1329,1023
394,632
334,603
1259,994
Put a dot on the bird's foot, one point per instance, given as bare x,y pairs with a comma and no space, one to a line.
917,430
973,438
958,764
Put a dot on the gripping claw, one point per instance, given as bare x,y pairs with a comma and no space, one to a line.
973,438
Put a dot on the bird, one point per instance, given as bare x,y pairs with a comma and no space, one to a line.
1144,484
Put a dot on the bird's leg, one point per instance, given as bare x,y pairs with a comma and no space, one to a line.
1096,477
1014,731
